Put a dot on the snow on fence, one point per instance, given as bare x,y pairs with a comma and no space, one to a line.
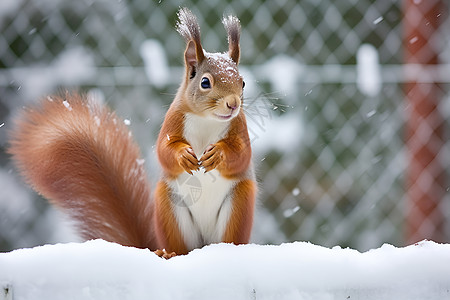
101,270
328,124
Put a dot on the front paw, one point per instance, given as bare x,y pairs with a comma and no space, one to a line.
187,160
164,254
211,158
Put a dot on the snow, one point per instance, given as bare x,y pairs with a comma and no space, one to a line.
226,69
155,62
368,70
271,134
291,211
283,72
74,65
371,113
378,20
67,105
101,270
140,162
413,40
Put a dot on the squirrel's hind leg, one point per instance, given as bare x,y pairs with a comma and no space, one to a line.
240,224
168,233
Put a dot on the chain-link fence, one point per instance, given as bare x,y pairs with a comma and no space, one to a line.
325,98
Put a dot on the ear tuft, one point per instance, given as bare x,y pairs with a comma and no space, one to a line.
187,25
233,28
188,28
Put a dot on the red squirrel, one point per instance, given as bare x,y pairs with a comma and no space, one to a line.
81,156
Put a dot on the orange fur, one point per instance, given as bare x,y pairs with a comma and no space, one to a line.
167,231
171,142
240,224
82,158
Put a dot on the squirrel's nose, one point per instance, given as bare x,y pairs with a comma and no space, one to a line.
232,106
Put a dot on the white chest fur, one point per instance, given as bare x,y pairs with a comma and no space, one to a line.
201,132
204,204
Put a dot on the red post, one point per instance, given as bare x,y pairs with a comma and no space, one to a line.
425,184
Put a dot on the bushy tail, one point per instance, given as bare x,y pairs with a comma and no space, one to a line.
81,157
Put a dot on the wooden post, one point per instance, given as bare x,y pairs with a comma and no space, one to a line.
425,184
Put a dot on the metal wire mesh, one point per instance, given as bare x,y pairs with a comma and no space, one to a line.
329,138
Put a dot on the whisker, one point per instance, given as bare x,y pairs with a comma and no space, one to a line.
211,106
263,106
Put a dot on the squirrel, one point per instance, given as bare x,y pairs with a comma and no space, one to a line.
81,156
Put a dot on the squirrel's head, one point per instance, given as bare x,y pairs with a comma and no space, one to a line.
213,86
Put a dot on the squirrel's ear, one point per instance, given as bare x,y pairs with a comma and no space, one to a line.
193,56
190,54
233,27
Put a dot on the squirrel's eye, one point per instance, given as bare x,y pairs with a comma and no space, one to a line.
243,84
205,83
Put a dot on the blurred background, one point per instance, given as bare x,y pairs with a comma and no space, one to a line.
347,101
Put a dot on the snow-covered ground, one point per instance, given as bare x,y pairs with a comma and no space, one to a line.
102,270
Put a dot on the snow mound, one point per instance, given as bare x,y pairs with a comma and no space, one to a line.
102,270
